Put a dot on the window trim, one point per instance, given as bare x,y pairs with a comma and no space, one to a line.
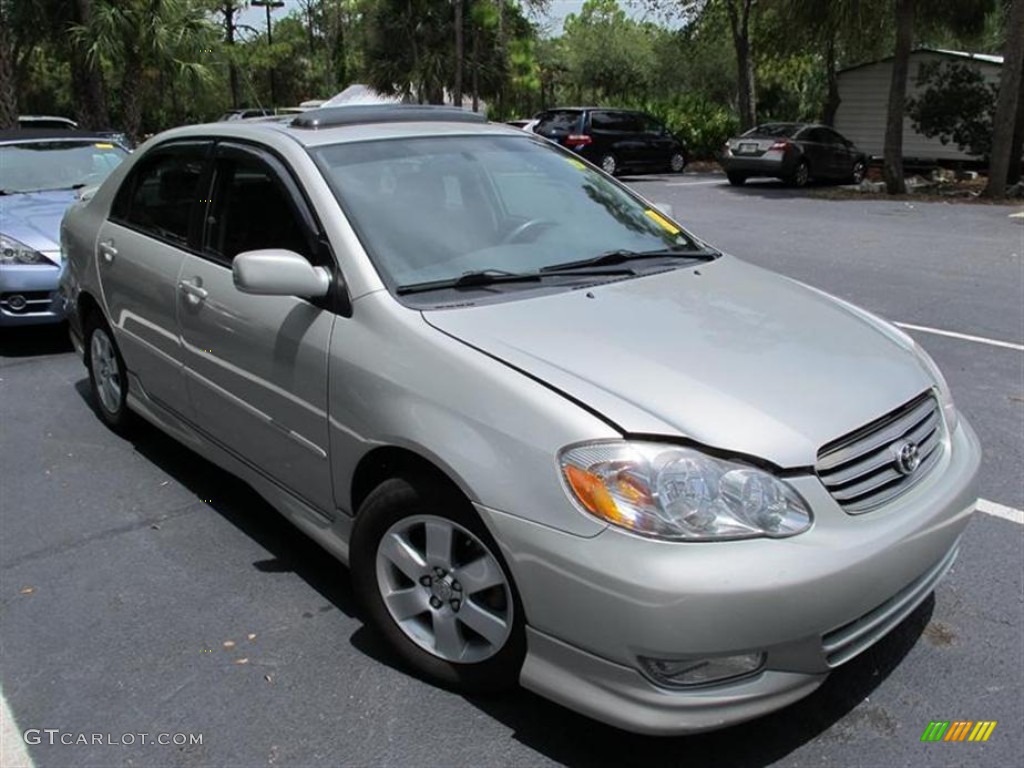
131,183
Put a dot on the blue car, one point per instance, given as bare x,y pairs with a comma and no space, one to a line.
41,174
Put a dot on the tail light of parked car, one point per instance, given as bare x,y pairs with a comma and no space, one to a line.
780,146
577,140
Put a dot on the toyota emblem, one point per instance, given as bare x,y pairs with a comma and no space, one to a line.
908,457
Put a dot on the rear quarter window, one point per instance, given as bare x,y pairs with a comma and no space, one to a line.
564,121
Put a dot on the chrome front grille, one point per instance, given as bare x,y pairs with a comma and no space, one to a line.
862,470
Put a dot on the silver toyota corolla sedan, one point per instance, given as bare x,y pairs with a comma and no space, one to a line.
558,439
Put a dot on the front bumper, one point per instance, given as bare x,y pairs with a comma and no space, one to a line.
28,295
810,602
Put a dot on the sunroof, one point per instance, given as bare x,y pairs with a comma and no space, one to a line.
331,117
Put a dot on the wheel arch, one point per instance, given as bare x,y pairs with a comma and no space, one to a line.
388,461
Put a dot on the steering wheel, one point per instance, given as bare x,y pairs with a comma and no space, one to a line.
527,226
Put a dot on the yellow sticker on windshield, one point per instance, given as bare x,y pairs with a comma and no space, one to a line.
576,163
103,146
664,223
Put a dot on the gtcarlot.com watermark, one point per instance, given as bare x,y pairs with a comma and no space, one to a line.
55,736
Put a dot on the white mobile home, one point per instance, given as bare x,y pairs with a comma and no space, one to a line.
864,94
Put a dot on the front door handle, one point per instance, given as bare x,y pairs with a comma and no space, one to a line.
108,250
194,292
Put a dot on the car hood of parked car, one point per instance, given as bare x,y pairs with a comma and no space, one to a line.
729,355
33,218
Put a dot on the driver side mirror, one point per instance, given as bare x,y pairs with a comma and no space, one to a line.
278,272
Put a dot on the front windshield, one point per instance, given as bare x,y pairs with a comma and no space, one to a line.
37,166
435,208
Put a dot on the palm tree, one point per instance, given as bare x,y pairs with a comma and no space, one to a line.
166,35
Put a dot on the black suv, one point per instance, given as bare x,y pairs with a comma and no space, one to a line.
618,140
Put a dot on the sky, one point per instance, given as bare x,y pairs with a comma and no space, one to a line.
553,19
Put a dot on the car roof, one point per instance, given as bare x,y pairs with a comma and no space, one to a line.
24,135
317,127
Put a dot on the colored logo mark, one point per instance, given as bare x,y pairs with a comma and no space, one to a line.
959,730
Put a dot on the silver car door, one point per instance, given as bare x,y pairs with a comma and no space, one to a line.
256,366
139,252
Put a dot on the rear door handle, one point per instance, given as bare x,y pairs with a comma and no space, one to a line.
194,292
108,250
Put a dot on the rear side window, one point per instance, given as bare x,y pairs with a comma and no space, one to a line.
158,196
781,130
560,121
621,122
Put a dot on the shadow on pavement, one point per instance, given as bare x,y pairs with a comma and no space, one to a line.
290,549
35,341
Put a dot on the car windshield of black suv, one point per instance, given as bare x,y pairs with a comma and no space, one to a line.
434,208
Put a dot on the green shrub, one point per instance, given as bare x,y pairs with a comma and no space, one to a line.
702,124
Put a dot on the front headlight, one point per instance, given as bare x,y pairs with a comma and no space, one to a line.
678,493
14,252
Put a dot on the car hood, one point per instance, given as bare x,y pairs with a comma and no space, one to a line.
34,217
728,354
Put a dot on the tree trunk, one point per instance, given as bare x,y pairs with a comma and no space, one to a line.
8,88
832,100
229,9
88,91
475,85
1006,105
895,183
131,91
739,21
457,96
1017,147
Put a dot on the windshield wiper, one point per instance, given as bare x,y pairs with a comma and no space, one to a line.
484,277
622,255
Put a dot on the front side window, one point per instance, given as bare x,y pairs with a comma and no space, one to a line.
42,166
435,208
158,196
251,211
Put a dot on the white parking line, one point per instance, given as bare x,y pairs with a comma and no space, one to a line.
693,183
963,336
1001,510
12,746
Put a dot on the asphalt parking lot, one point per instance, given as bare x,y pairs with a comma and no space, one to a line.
143,591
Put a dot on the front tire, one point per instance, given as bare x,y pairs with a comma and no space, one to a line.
435,586
108,376
610,164
677,163
858,172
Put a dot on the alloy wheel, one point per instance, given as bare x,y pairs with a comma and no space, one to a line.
444,589
105,370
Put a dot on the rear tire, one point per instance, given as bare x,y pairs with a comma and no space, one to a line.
108,376
801,175
435,586
677,163
737,179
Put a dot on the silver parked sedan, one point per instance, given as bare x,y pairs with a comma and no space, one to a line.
558,439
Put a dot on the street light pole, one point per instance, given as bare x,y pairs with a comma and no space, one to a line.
268,5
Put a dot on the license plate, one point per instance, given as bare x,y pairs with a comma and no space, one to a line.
748,149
